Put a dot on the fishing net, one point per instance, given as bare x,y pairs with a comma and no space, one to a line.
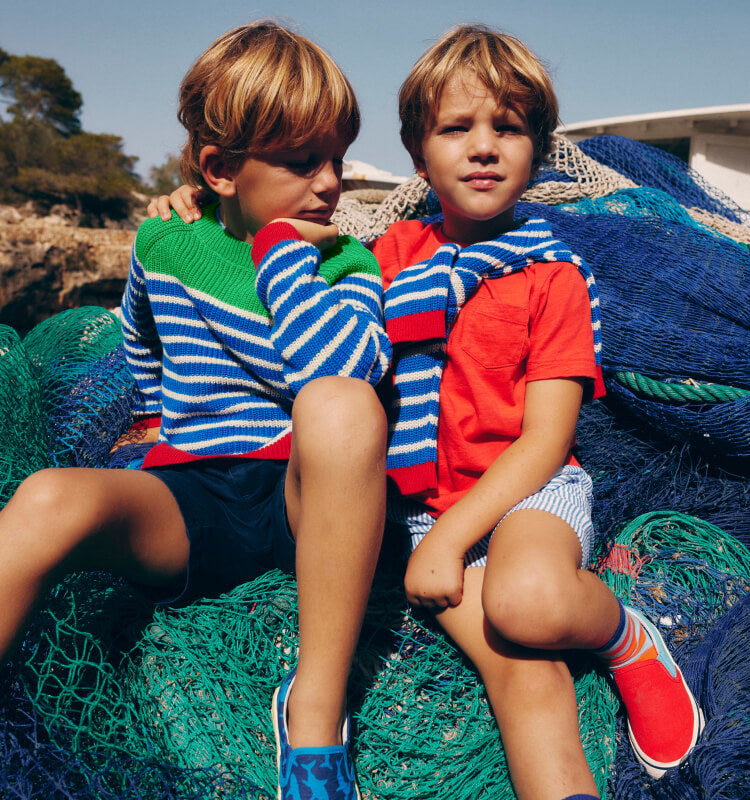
25,437
118,700
694,580
640,202
675,308
183,695
86,385
634,472
649,166
109,698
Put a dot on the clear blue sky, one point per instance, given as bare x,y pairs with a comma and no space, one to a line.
606,58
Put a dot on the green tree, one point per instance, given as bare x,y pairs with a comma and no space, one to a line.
44,154
36,88
88,171
165,178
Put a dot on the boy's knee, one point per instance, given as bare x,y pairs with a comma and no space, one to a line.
340,413
45,493
529,610
49,519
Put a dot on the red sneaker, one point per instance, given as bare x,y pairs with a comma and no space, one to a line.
664,721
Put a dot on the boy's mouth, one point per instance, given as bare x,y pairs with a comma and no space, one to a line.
320,215
482,180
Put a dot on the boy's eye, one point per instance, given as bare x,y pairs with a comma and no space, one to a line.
306,165
452,129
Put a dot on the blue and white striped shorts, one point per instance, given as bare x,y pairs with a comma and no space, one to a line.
567,495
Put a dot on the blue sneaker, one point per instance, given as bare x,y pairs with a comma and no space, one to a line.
310,773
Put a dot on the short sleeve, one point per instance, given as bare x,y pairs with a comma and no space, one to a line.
560,333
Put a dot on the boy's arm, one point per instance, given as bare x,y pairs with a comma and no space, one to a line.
434,575
319,330
142,345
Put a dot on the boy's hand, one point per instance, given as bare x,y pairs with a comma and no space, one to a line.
322,236
136,435
435,574
185,200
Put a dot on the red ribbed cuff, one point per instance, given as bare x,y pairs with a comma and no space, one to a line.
270,235
162,454
417,479
417,327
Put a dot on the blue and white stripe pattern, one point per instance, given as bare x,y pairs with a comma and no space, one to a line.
568,495
223,374
446,282
317,329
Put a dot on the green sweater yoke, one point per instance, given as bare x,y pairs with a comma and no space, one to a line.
204,257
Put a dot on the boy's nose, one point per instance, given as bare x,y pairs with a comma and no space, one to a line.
327,178
482,146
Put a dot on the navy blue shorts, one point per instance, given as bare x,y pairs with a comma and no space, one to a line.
235,518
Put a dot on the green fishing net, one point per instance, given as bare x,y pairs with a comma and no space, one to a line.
681,571
85,383
24,442
192,687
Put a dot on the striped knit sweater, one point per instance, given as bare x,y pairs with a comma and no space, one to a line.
220,350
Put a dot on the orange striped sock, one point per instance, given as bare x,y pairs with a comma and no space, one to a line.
630,643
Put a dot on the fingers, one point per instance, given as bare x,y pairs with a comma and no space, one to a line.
439,602
322,236
160,207
185,200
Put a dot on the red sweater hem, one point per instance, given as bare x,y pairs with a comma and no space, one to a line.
164,455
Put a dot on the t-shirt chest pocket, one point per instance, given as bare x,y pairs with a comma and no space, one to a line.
494,339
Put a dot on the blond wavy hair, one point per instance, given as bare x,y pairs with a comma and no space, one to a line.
262,88
500,62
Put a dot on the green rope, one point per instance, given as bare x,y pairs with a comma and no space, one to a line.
691,392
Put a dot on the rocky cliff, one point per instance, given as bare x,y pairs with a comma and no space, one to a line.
48,264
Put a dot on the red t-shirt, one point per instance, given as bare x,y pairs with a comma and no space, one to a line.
531,325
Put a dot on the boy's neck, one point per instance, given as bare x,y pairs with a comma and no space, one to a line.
465,231
231,218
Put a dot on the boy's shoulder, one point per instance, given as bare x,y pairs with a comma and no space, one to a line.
406,242
155,230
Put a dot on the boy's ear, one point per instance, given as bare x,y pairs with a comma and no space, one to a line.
420,168
219,178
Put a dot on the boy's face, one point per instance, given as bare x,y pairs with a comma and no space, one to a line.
299,184
477,157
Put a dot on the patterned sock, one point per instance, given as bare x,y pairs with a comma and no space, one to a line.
630,643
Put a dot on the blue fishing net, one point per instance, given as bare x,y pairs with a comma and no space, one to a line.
649,166
635,471
675,306
640,202
109,698
86,387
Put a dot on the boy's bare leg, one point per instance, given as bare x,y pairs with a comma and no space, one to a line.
62,520
533,698
535,593
335,495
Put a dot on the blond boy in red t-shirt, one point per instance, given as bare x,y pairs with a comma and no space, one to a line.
499,516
